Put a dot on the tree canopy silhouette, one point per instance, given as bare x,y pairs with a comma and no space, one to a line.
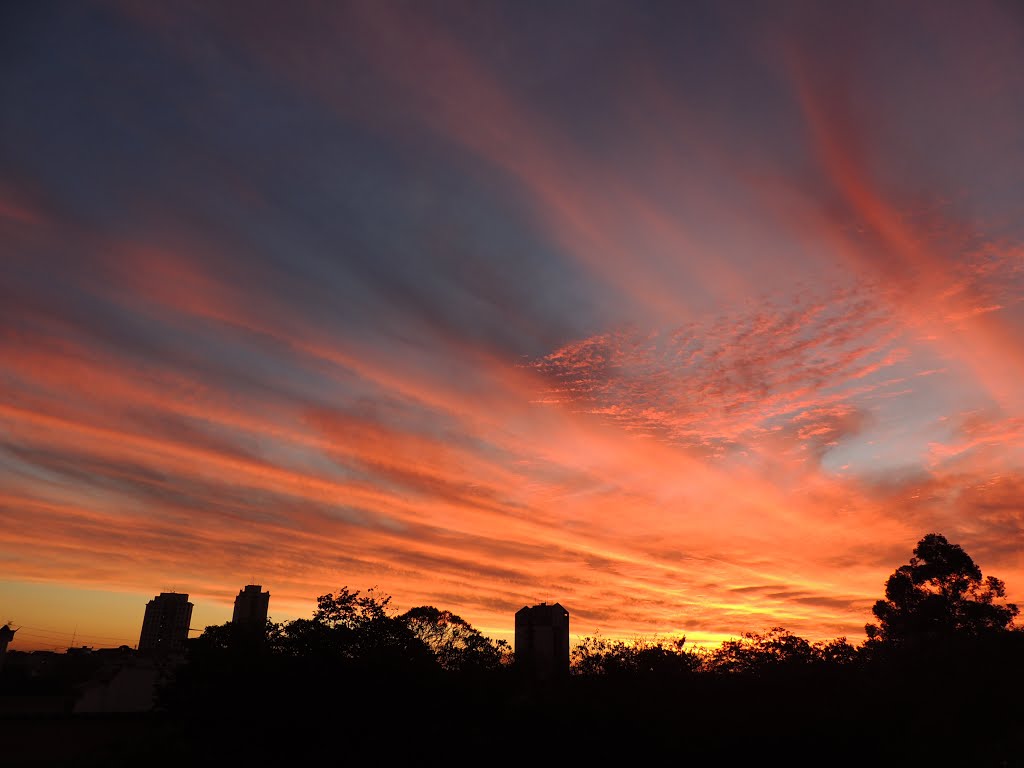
356,628
455,643
940,594
779,652
662,657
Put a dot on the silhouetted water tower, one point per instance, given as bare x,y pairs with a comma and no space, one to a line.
542,641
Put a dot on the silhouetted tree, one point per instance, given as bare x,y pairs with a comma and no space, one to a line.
600,656
216,637
352,610
776,650
456,645
232,637
358,628
940,594
836,653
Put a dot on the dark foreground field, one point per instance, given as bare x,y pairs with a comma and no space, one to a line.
936,719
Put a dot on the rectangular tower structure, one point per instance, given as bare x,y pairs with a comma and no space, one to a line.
542,641
165,626
251,606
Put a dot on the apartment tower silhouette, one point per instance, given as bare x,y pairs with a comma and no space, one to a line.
165,626
251,606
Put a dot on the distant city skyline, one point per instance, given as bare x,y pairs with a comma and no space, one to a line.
56,638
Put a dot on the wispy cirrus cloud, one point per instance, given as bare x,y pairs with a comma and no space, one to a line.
729,383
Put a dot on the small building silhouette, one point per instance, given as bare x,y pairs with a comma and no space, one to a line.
165,626
6,635
251,606
542,641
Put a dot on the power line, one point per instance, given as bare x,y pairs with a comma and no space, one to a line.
60,632
38,637
72,635
49,641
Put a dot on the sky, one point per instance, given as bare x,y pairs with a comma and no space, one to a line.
692,317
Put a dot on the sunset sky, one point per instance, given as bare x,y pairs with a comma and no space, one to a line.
693,317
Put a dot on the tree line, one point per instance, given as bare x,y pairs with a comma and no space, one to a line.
940,598
935,680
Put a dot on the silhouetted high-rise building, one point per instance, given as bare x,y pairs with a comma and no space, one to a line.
251,605
542,640
165,627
